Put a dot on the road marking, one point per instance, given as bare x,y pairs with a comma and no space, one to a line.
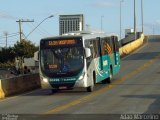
100,91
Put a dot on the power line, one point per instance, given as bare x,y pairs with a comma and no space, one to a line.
40,24
44,30
31,25
20,26
8,36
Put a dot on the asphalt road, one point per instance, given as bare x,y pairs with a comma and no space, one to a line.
135,90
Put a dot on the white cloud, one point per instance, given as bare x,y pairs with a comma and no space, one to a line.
6,16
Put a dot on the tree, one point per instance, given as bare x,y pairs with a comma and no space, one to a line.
24,49
7,55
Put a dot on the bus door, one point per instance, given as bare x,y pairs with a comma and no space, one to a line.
99,53
115,49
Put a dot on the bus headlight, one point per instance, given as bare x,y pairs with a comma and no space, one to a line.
45,80
81,77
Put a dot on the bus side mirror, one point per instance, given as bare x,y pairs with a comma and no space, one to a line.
36,56
87,52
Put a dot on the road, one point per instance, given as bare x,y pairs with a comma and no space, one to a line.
134,90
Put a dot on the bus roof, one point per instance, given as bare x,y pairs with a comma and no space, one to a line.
83,34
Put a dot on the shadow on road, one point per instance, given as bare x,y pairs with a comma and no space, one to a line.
153,108
154,40
68,92
48,92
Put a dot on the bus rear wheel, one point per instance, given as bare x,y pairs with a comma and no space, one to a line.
109,79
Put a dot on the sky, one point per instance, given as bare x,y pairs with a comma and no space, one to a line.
93,10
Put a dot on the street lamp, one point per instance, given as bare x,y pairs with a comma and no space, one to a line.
40,24
135,18
121,18
142,15
102,23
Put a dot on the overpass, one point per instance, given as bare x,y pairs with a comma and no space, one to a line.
135,90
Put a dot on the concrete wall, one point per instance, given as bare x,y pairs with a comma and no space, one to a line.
127,49
19,84
29,82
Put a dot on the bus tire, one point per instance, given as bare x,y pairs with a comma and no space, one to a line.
90,88
54,91
109,79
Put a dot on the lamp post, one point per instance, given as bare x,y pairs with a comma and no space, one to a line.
39,24
102,23
142,15
121,18
135,18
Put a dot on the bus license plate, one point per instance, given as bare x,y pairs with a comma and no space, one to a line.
62,87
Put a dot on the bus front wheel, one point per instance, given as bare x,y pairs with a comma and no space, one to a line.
91,88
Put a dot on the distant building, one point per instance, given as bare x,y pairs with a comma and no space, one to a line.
29,62
128,32
70,23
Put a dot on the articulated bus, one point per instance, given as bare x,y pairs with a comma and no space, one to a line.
78,60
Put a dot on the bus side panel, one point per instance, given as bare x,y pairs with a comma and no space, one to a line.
116,55
102,74
116,68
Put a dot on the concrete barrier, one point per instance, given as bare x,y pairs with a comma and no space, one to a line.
2,94
29,82
19,84
127,49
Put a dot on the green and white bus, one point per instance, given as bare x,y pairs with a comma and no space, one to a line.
78,60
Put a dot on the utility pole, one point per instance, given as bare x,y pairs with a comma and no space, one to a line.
102,23
20,21
20,26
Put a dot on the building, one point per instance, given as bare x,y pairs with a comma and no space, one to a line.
128,32
70,23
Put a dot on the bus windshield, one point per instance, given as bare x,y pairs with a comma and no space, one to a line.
62,61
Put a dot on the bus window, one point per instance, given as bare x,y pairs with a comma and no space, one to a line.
115,44
96,49
107,49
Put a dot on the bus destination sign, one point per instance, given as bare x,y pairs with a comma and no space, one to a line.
61,42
